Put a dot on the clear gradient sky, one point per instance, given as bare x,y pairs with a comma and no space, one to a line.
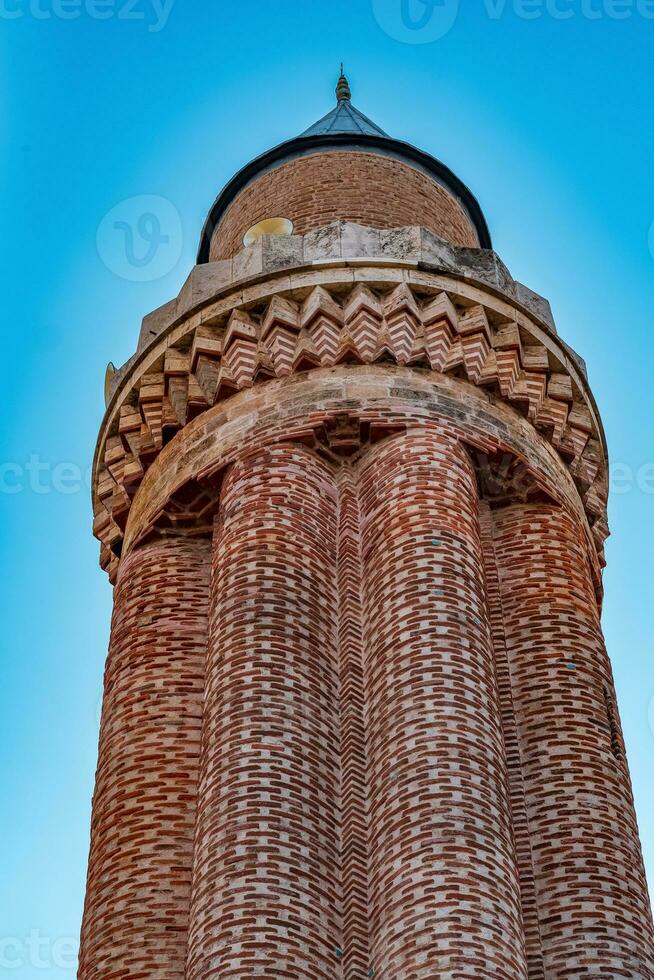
543,107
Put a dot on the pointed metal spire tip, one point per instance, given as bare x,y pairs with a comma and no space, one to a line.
343,93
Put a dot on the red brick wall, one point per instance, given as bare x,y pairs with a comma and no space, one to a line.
594,913
363,187
139,880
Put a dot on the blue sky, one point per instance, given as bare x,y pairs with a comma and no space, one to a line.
542,106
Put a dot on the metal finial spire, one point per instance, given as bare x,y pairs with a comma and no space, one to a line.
343,93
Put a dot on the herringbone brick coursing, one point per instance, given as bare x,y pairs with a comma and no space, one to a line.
359,720
354,765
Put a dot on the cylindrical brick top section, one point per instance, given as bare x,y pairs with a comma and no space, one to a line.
364,187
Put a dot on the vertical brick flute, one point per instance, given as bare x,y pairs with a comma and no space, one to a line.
359,719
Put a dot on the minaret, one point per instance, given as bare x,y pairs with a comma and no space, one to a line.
359,719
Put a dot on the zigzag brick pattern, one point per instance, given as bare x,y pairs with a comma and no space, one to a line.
267,873
593,907
531,923
139,880
364,326
354,826
444,890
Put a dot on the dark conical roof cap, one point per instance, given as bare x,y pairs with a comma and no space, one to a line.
344,117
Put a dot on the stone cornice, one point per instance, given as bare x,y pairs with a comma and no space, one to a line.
337,243
223,335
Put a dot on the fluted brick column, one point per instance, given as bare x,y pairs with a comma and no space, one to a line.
266,896
444,890
591,892
138,893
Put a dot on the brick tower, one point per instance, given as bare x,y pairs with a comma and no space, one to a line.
359,719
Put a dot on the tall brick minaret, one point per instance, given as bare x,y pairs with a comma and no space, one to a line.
359,719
